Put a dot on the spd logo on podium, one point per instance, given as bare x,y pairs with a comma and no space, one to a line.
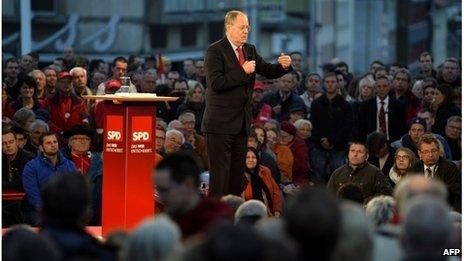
115,128
142,127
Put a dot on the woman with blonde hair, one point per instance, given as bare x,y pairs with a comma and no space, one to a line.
194,103
404,159
366,88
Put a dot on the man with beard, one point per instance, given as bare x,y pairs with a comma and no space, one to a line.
40,169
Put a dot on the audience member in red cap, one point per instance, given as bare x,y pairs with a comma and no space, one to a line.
66,109
98,114
261,111
301,167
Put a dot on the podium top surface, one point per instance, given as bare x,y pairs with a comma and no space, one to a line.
129,97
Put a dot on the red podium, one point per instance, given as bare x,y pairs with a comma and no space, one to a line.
128,159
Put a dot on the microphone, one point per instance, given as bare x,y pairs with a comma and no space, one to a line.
248,51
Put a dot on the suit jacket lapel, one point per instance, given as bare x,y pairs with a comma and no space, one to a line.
229,51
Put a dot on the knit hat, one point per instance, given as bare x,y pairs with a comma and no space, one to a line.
420,121
288,127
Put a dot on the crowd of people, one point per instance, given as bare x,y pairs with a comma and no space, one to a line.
345,166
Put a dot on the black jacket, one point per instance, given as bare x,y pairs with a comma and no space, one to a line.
367,119
332,120
229,88
443,113
368,177
447,172
12,171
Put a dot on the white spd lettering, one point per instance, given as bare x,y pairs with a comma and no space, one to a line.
140,135
114,135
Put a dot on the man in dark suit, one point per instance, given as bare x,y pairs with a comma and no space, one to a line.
434,166
231,64
383,114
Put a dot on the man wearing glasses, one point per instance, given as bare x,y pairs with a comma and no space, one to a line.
432,165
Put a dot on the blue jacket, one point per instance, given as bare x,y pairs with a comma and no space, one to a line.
38,171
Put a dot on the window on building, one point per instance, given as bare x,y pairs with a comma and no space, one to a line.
44,7
188,35
158,36
216,31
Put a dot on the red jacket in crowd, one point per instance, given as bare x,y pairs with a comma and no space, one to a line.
66,112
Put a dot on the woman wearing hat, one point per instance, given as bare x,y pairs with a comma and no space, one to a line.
260,185
301,168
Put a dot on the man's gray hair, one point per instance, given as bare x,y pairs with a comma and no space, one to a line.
381,209
22,115
356,234
231,17
427,225
454,119
251,208
78,69
187,113
300,123
155,239
34,72
39,123
414,185
175,132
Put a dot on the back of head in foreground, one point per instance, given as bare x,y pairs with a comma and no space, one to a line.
250,212
154,239
415,185
427,227
21,243
313,220
356,234
66,201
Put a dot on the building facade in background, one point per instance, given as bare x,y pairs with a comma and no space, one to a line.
355,31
